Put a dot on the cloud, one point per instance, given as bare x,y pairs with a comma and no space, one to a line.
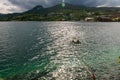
7,7
22,5
46,3
106,3
27,4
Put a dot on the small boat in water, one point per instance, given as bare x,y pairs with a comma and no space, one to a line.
76,41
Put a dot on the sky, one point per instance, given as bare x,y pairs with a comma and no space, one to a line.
13,6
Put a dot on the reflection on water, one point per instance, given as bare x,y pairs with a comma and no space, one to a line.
45,51
66,59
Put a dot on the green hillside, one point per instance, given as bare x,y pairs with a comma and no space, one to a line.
58,13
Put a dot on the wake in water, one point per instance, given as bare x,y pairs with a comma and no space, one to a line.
68,60
59,51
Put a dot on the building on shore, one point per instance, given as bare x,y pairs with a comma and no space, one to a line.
89,19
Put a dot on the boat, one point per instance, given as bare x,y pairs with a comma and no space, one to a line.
76,41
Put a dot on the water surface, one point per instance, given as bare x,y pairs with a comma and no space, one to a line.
45,51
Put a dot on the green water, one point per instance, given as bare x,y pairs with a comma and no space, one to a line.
44,51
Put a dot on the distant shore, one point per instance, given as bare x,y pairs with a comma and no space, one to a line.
68,13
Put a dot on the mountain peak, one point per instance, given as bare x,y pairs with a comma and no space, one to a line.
67,6
38,7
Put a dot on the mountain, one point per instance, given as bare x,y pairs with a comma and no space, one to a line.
36,9
67,6
57,12
39,9
2,15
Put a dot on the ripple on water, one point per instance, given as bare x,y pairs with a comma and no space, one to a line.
50,54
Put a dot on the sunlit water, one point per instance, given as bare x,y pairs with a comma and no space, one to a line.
45,51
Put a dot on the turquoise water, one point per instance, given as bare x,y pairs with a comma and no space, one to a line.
45,51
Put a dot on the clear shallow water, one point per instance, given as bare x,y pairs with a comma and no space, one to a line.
44,51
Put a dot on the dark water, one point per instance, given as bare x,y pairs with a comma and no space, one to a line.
45,51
